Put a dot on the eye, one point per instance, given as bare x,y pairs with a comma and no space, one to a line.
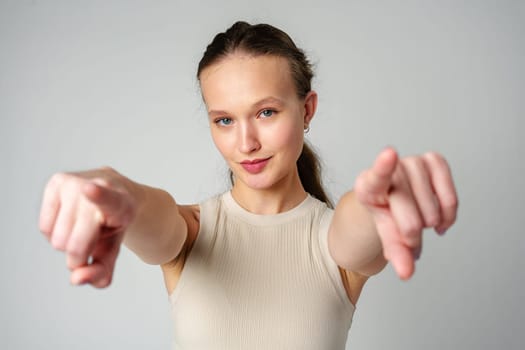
223,121
267,113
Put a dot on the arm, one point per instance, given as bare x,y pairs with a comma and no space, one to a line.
383,219
89,214
159,231
353,240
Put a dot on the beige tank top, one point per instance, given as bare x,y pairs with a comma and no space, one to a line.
261,282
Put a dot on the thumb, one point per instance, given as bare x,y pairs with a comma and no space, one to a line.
99,272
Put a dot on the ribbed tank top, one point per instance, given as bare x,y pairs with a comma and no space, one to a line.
261,282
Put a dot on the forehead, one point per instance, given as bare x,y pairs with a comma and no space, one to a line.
242,77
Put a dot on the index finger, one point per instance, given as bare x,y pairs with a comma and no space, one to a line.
373,185
113,208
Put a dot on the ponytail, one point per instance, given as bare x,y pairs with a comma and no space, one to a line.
309,168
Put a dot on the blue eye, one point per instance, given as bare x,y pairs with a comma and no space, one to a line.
267,113
224,121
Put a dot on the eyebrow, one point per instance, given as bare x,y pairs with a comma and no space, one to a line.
258,104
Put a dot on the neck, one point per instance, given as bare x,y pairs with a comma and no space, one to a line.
281,197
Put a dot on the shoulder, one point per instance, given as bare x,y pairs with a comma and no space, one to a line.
191,213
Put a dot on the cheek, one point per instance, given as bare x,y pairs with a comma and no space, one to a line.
221,143
289,138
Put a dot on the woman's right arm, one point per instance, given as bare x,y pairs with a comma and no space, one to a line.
89,214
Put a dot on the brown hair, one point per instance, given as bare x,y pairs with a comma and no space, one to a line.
264,39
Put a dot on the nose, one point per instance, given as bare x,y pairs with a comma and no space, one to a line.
248,138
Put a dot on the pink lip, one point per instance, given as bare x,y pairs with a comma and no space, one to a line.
255,166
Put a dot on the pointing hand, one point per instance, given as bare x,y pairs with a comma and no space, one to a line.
85,214
405,196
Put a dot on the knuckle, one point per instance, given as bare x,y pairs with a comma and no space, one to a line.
452,219
132,207
73,262
434,157
400,175
104,282
107,168
45,229
58,178
360,189
106,176
413,161
451,202
67,185
413,242
102,181
360,182
413,228
419,163
58,244
129,214
432,220
416,166
76,251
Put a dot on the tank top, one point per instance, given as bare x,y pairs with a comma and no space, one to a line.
260,282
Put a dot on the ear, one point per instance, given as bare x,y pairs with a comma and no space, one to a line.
310,106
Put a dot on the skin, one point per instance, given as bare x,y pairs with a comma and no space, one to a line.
393,202
254,112
89,214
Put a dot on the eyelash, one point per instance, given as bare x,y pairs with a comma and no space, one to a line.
220,121
268,110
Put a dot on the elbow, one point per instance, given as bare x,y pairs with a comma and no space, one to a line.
163,254
160,251
373,267
357,259
171,249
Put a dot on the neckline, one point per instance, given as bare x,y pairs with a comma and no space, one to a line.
266,219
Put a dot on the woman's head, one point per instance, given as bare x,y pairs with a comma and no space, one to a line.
256,85
260,40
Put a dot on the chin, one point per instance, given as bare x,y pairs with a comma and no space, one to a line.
255,182
258,185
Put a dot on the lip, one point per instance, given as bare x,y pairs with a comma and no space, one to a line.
254,166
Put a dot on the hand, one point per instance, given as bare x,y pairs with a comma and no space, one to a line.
405,196
85,214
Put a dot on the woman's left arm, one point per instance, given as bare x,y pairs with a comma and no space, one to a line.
384,217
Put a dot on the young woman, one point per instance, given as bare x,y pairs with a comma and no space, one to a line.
268,264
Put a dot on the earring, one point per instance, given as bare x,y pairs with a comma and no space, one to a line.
306,129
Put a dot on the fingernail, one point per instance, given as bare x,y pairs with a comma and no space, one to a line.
441,231
417,253
77,281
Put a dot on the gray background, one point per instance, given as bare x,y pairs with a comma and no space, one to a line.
91,83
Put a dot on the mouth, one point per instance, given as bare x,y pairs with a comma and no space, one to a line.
254,166
254,161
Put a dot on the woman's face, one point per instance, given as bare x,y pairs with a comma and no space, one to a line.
256,118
